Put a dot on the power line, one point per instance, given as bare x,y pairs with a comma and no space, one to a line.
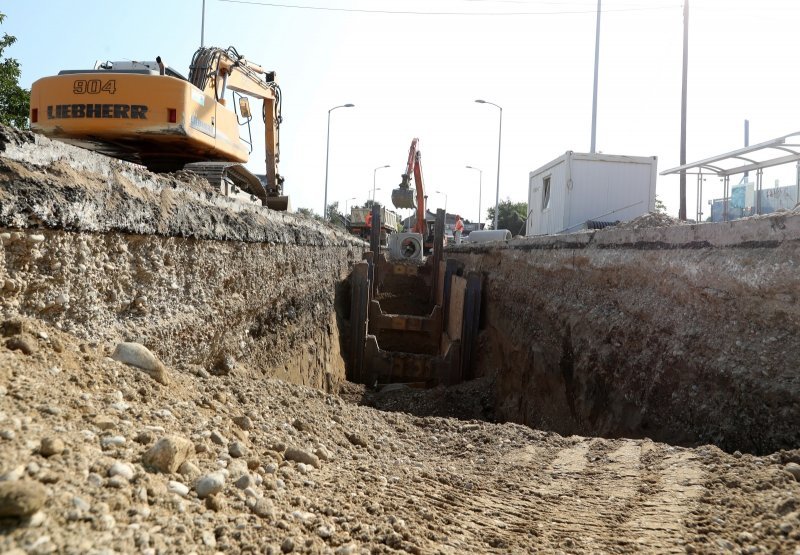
405,12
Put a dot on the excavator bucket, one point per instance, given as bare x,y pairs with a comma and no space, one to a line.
403,196
278,203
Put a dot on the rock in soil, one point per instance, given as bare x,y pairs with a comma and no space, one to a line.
21,498
168,453
140,356
301,456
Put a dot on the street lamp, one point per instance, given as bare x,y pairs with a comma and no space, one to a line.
480,187
373,193
374,172
445,201
499,138
327,152
347,200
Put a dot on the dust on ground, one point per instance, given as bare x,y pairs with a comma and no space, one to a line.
269,467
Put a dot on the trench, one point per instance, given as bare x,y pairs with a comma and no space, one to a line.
685,335
613,343
624,341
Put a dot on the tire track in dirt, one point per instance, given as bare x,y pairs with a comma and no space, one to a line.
668,492
593,495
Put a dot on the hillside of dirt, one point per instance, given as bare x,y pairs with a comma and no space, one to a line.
99,457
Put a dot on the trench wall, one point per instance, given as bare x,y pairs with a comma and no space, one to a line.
108,251
685,334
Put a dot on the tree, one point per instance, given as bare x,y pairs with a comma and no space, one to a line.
14,100
334,216
660,207
307,212
512,216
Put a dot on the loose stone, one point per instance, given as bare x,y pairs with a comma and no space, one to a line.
793,469
288,545
301,456
357,439
237,449
244,482
244,422
24,343
215,503
218,438
264,509
112,441
139,356
209,484
121,469
168,453
178,488
21,498
51,446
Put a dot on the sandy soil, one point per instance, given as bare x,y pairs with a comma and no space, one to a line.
308,472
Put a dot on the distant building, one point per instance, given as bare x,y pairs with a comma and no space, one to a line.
742,202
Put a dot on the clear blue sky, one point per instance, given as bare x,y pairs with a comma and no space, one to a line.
418,76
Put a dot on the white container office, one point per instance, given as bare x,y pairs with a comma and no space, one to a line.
574,190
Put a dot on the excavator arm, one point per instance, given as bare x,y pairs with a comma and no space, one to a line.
403,196
215,71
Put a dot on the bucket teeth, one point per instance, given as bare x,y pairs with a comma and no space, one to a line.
403,198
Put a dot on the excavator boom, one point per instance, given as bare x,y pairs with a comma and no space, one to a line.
403,195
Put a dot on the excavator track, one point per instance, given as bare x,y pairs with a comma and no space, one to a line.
229,175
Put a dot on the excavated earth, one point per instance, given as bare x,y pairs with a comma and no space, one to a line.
215,450
685,334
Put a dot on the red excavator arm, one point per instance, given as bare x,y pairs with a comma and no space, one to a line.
403,196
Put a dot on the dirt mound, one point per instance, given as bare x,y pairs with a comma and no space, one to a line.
651,219
270,467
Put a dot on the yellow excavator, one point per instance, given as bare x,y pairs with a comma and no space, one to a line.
148,113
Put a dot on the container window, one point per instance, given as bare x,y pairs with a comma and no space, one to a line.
546,192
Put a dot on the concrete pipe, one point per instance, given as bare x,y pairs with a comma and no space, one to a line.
487,235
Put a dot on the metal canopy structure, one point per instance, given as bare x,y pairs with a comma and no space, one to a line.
775,152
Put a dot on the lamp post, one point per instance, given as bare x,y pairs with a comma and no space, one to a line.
499,138
373,193
346,201
327,152
480,187
374,172
445,201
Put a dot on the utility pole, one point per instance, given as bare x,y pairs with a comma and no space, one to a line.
682,210
203,25
746,143
596,68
